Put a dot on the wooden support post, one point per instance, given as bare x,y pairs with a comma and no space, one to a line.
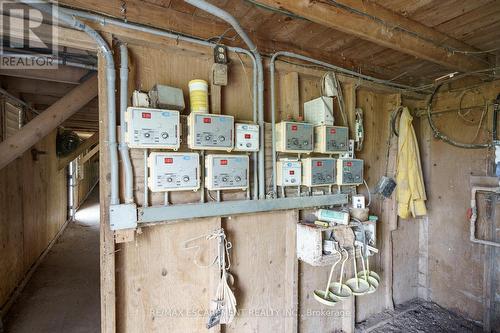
64,161
43,124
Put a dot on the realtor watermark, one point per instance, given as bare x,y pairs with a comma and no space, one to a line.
29,35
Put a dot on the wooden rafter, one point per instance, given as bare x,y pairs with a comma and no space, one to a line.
421,44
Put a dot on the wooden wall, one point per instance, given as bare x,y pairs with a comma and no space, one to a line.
457,268
33,208
90,176
155,274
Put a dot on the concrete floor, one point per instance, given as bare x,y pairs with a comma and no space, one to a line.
418,316
63,294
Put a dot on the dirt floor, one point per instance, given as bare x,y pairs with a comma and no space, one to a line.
418,317
63,293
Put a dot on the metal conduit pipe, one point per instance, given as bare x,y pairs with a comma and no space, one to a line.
222,14
473,217
167,34
110,85
319,63
123,146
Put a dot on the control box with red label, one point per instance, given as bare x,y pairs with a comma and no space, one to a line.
318,171
247,137
331,139
210,131
350,171
294,137
173,171
288,172
226,172
152,128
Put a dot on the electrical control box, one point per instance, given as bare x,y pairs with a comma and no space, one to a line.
210,131
166,97
247,137
318,171
349,171
226,172
173,171
331,139
319,111
294,137
152,128
288,172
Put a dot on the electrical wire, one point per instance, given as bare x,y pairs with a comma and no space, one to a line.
444,137
369,193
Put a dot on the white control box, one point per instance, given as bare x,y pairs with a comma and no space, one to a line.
318,171
226,172
247,137
210,131
294,137
319,111
331,139
152,128
288,172
349,171
173,171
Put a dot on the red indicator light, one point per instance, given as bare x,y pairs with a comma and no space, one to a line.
207,120
348,164
146,115
319,163
169,160
292,172
223,162
333,131
247,136
294,127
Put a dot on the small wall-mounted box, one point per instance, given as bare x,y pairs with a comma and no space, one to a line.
288,172
210,131
247,137
152,128
226,172
349,171
318,171
166,97
294,137
331,139
173,171
319,111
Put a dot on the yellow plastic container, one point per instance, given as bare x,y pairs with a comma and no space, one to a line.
198,95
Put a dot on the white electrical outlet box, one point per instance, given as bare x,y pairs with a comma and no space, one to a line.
319,111
226,172
210,131
140,99
288,172
318,171
294,137
349,171
173,171
152,128
247,137
358,201
331,139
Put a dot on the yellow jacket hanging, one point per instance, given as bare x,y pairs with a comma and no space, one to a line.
410,191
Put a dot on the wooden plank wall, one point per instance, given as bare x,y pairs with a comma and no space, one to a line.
154,274
455,265
90,177
33,208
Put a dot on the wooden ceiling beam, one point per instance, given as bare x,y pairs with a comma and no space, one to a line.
398,35
62,74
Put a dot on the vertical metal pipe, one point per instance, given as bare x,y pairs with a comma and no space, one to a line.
110,85
123,147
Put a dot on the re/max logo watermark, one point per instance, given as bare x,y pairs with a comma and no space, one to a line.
29,35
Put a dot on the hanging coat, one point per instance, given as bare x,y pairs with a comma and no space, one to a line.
410,193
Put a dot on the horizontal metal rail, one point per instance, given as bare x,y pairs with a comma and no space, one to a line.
228,208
